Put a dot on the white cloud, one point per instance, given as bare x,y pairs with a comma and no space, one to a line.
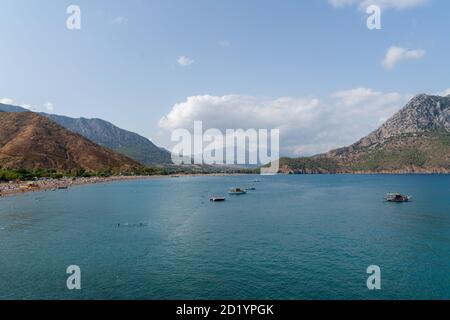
307,126
185,61
444,93
395,55
120,20
384,4
49,106
6,101
28,106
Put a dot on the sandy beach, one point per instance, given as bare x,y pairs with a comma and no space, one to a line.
47,184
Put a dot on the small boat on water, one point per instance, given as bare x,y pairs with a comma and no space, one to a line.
237,191
250,189
217,199
397,197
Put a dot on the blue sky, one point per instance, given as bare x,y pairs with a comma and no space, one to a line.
123,65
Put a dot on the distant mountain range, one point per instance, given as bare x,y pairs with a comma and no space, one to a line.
9,108
108,135
31,141
414,140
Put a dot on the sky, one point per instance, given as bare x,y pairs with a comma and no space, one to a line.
311,68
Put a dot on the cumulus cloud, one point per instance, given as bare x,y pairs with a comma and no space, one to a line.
49,106
394,55
28,107
11,102
6,101
307,126
385,4
185,61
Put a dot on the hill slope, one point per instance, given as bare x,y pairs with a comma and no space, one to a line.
31,141
108,135
9,108
416,139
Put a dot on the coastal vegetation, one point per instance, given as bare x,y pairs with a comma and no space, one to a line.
11,175
24,174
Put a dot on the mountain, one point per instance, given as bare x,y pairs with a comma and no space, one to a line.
31,141
108,135
9,108
416,139
422,114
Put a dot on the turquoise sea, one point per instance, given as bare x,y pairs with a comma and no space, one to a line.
294,237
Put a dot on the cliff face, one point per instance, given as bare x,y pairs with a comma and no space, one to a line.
31,141
416,139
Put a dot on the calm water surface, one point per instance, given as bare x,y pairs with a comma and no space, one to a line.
295,237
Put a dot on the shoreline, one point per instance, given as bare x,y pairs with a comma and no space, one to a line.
14,188
48,184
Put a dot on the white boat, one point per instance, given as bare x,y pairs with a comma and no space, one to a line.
237,191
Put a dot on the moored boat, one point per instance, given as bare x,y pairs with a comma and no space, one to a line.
217,199
237,191
397,197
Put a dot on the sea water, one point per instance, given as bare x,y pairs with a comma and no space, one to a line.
294,237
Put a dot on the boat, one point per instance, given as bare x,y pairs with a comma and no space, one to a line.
237,191
217,199
250,189
397,197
